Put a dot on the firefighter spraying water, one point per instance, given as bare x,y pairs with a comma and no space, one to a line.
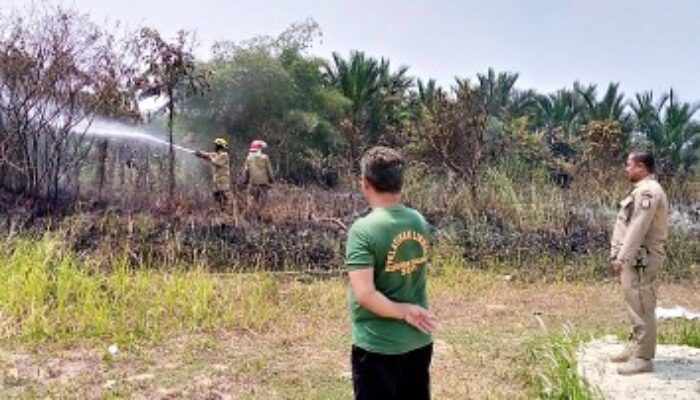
220,164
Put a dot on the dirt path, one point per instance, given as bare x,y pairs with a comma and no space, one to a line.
676,374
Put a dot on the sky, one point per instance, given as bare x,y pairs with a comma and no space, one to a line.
643,44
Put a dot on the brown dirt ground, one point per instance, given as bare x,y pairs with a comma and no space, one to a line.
481,349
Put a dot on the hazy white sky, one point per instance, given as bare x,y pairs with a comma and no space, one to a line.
644,44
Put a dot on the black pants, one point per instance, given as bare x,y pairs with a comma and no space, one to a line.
387,377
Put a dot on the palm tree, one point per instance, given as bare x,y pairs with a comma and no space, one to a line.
521,103
429,93
646,113
557,116
378,96
611,107
557,111
669,128
357,79
392,106
497,90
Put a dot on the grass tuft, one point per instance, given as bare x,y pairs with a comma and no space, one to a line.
556,376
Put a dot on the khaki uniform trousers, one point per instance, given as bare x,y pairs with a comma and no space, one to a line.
640,286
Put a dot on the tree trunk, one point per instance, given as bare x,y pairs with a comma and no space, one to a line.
171,150
102,169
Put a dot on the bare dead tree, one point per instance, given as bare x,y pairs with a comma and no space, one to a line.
57,71
171,71
452,137
102,167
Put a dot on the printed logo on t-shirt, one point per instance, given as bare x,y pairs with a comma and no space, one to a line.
407,266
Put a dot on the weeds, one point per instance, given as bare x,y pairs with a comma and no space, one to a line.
556,375
50,295
681,333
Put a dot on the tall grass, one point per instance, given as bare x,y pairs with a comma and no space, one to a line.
681,333
523,202
555,367
49,294
530,204
682,258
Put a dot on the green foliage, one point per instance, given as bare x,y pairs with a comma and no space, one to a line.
533,205
378,98
556,373
680,333
557,112
610,108
428,94
683,254
268,88
668,127
499,93
320,115
51,295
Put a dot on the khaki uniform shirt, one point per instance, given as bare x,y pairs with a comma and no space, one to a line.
220,170
642,222
258,169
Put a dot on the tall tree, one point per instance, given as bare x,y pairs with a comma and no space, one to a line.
452,137
268,87
669,128
498,91
557,112
378,96
58,71
171,71
610,107
428,93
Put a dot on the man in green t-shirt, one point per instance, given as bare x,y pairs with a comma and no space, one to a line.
387,258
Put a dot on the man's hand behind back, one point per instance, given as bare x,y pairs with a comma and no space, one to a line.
420,318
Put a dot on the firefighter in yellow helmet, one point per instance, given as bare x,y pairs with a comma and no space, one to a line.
219,160
258,174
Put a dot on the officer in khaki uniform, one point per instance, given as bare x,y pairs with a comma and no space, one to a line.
637,253
258,174
219,160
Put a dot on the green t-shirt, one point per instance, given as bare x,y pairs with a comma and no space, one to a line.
395,241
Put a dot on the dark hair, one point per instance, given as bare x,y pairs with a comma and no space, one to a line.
645,158
218,148
383,168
